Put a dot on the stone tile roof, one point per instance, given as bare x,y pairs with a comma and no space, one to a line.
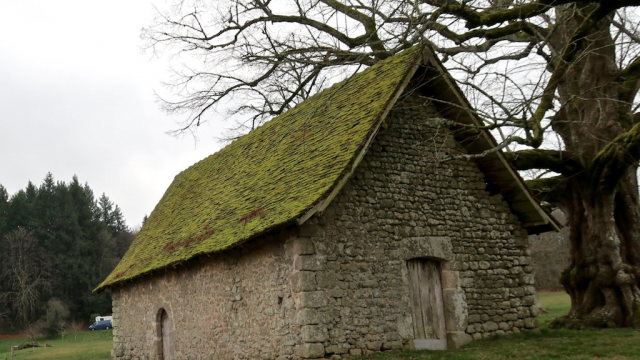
271,177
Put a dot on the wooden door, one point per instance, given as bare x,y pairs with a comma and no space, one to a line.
425,289
165,324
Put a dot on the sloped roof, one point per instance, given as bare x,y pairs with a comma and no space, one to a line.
291,167
269,177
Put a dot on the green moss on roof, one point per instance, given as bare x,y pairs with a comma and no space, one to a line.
268,178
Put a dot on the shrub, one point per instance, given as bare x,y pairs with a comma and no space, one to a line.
55,320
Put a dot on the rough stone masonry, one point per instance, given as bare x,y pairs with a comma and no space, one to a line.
338,285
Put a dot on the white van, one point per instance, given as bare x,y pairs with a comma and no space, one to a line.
104,318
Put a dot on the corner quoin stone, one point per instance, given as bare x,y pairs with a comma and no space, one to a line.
457,339
313,299
314,333
308,263
303,281
303,246
311,351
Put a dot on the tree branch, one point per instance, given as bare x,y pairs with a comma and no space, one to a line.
611,163
551,189
560,162
629,79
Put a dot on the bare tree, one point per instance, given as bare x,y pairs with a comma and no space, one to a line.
76,327
55,321
25,268
557,80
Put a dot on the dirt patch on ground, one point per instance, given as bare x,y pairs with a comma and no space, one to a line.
11,336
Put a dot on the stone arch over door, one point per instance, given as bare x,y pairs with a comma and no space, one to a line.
427,303
164,336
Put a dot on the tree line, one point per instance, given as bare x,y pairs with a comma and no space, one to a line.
57,242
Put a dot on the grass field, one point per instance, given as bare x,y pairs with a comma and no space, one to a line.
89,345
543,344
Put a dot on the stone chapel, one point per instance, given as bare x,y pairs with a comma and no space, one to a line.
358,221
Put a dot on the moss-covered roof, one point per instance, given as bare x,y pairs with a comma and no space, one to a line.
269,177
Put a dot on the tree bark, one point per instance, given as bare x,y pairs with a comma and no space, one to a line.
602,278
604,220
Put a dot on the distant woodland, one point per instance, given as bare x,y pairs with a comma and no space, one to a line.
550,255
57,242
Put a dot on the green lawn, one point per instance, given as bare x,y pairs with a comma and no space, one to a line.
557,304
543,344
89,345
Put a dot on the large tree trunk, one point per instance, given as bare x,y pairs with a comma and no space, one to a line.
602,279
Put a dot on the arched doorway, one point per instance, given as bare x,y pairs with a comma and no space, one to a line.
164,329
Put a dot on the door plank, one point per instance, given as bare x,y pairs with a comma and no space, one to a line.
414,292
427,300
439,305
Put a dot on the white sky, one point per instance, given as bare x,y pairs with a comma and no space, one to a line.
76,97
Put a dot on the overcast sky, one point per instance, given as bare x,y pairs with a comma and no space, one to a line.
77,97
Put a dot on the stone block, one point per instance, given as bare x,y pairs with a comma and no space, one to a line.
308,263
355,352
392,345
531,323
374,345
313,299
455,309
518,323
489,326
510,317
336,349
522,241
438,247
314,333
311,351
311,316
336,293
303,246
327,280
457,339
303,281
451,279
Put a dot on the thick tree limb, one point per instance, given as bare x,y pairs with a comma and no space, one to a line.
492,17
561,162
551,189
571,50
630,81
614,160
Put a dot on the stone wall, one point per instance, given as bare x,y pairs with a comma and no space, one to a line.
235,305
350,282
